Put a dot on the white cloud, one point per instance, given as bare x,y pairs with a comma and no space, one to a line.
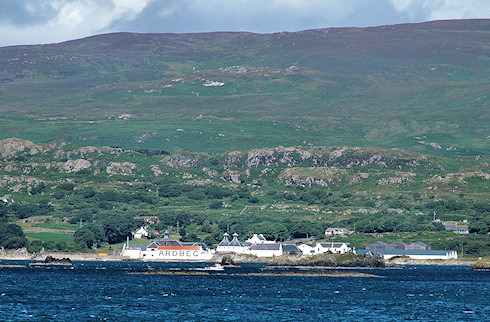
71,19
47,21
443,9
272,7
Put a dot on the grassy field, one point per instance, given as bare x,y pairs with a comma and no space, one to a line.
49,236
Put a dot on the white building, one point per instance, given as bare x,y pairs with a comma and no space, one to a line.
233,246
320,248
133,251
141,233
307,249
259,239
167,249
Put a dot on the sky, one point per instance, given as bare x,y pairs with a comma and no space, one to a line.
24,22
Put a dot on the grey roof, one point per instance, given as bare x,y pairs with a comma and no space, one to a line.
377,245
397,245
235,241
164,242
288,248
135,246
225,241
265,247
331,245
418,243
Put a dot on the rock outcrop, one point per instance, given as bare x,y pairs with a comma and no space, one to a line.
121,168
73,166
182,160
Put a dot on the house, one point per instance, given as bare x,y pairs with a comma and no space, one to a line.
141,233
319,248
307,249
259,239
335,248
337,231
454,227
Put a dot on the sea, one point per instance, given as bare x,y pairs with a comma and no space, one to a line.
98,291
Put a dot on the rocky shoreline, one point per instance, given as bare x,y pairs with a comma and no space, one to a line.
328,261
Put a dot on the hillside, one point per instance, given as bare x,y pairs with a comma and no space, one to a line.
375,129
283,192
422,87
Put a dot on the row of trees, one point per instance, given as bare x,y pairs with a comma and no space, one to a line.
110,229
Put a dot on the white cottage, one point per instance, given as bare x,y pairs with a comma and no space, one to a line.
259,239
319,248
307,249
141,233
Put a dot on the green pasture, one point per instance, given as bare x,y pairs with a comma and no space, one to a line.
49,236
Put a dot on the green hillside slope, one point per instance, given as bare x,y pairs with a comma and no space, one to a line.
417,86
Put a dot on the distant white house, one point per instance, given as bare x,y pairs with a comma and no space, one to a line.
320,248
141,233
307,249
259,239
331,231
455,227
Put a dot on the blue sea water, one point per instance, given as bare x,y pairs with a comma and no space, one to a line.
106,291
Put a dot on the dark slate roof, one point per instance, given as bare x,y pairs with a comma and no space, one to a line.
235,242
164,242
265,247
377,245
288,248
331,245
140,247
225,241
397,245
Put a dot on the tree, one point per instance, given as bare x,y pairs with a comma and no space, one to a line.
35,246
479,227
304,229
216,205
15,242
89,234
118,228
12,236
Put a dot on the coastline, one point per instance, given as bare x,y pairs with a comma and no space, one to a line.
23,254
